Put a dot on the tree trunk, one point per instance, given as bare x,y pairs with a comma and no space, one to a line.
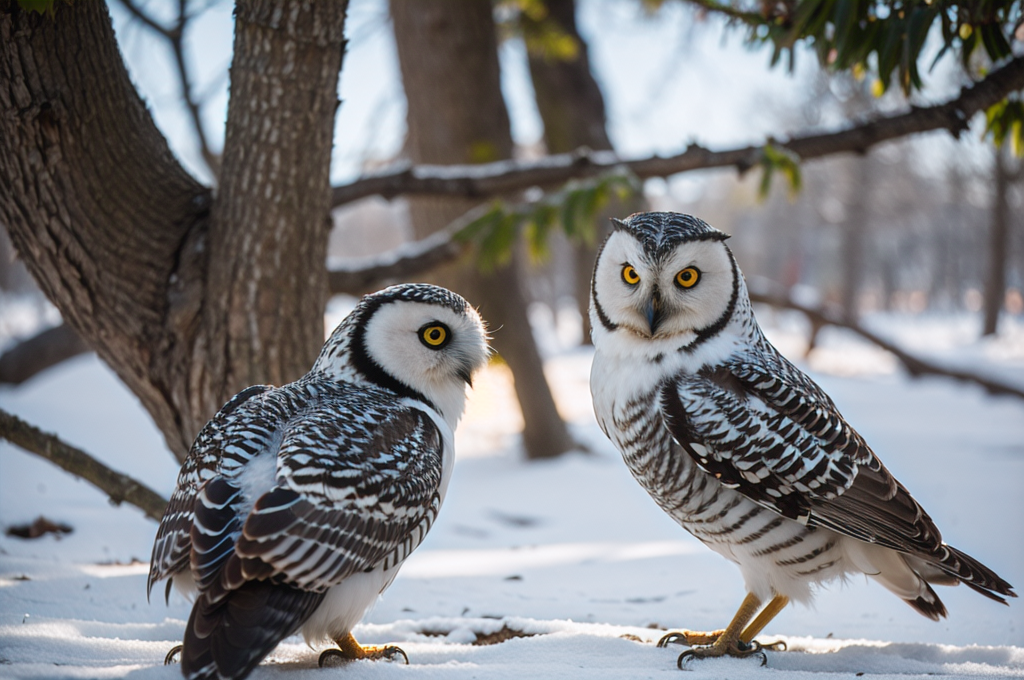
998,244
449,61
572,108
169,287
855,232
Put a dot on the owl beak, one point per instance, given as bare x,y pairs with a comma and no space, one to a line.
654,312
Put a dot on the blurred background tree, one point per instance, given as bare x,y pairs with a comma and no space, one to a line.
191,293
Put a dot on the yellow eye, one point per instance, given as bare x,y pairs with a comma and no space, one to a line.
688,277
630,276
434,336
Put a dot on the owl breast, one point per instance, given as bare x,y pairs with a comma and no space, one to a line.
776,555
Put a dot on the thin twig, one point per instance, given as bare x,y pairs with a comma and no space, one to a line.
119,487
175,36
493,179
749,18
137,12
916,366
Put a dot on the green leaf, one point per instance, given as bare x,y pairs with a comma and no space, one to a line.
481,226
889,53
778,158
1004,122
46,7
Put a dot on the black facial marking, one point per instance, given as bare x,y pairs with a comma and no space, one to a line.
368,306
716,328
601,316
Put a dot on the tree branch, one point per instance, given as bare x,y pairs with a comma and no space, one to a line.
39,353
137,12
777,297
175,36
119,487
359,275
492,179
749,18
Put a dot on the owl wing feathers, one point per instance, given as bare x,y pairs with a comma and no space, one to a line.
354,482
763,427
172,546
338,511
358,481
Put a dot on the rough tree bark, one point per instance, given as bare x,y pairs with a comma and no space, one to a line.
572,108
856,230
998,242
187,298
457,116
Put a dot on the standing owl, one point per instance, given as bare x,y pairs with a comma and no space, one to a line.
741,448
298,504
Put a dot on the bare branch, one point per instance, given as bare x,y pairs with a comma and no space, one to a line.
493,179
357,276
39,353
762,292
119,487
151,23
175,36
176,39
749,18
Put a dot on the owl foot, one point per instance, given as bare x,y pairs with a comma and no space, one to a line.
690,638
175,651
350,650
736,648
693,639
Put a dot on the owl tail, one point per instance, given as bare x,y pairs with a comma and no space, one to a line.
911,576
227,638
973,574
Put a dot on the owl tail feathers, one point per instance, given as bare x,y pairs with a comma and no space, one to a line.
904,575
928,604
227,639
974,574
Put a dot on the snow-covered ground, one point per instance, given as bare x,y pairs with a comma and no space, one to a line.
571,551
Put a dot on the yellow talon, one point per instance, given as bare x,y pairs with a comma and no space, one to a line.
735,640
350,650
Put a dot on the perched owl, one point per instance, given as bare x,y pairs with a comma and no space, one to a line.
298,504
741,448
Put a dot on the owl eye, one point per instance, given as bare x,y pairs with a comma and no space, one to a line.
688,278
630,276
435,335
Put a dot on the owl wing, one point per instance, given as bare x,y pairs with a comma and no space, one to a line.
173,543
761,426
354,483
357,486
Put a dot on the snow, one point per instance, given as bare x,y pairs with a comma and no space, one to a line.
570,552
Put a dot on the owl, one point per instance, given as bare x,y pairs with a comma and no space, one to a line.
741,448
297,505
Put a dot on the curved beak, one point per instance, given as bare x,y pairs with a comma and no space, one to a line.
654,312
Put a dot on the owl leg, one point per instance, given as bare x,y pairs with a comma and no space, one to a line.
694,638
771,610
733,640
350,650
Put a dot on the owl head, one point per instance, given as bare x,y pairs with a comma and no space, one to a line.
415,339
664,280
